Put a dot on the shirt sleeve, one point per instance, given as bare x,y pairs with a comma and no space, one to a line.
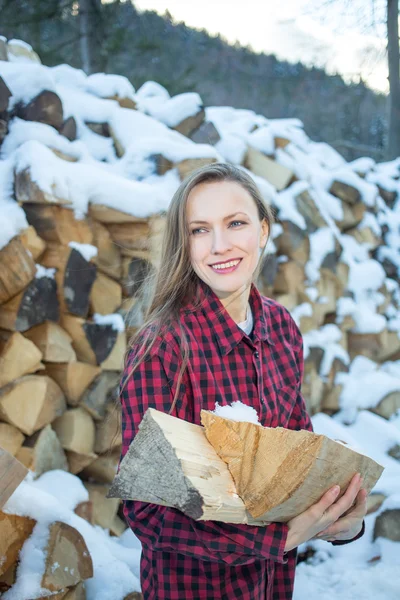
163,528
300,419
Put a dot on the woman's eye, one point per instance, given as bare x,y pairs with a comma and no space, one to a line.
194,231
240,222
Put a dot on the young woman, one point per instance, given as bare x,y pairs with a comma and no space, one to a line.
210,336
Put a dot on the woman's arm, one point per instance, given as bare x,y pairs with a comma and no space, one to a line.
163,528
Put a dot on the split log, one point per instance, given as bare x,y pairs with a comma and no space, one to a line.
374,502
11,438
276,174
134,596
18,356
105,295
12,472
103,469
78,592
379,347
312,388
352,216
37,303
27,190
108,257
14,531
31,402
73,288
206,134
17,269
100,394
3,129
73,378
69,129
131,236
46,108
43,452
365,236
108,431
124,102
3,49
331,400
388,406
21,51
32,242
75,430
191,123
268,274
187,166
58,224
67,558
85,511
102,129
345,192
104,509
96,344
77,461
387,525
5,95
53,342
310,211
107,215
135,271
289,278
293,242
231,466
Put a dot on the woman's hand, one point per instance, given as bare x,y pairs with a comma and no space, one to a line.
327,519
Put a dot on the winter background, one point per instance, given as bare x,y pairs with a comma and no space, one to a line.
368,568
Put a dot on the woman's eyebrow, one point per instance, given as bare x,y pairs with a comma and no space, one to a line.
225,218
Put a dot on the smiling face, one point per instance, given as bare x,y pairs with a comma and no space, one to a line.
224,227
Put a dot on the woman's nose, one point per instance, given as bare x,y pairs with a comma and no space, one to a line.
220,241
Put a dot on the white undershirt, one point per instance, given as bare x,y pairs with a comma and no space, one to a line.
247,325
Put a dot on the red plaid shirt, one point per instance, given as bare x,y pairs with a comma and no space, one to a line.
206,560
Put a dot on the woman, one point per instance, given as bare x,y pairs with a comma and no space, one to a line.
209,336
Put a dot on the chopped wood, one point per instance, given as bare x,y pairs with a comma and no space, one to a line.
117,526
58,224
104,509
374,502
107,215
17,269
388,196
12,472
352,216
191,123
187,166
19,51
103,469
124,102
274,473
312,389
276,174
85,511
32,242
379,347
206,134
68,560
280,473
18,356
3,129
281,142
73,288
8,578
77,461
75,430
105,295
46,108
268,273
293,242
46,452
68,129
101,392
27,190
310,211
14,531
388,406
130,236
11,438
96,344
108,431
108,257
289,278
5,95
78,592
53,342
31,402
387,525
365,236
3,49
134,596
34,305
345,192
135,271
73,378
331,400
102,129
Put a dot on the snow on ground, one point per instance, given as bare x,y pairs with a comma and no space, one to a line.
119,171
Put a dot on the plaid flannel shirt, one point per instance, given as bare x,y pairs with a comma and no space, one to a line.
206,560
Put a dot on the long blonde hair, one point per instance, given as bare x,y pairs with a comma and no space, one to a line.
175,282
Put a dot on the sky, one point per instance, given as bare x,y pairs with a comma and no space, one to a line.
293,30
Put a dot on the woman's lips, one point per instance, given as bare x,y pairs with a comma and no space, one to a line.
226,269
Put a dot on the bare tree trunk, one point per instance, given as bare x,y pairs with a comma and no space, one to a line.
394,78
84,24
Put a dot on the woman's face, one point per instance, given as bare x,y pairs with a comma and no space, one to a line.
224,227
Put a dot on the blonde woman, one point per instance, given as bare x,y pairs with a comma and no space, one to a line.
210,336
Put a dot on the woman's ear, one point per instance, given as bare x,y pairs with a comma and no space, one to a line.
264,233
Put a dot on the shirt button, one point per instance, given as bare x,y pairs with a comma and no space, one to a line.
256,354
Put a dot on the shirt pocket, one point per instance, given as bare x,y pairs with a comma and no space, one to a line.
286,400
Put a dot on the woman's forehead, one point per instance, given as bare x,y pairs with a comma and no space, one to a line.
218,199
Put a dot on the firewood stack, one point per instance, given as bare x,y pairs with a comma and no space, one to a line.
67,280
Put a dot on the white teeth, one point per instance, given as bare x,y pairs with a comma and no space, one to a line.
226,265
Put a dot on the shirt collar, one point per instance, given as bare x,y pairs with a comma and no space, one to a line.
219,320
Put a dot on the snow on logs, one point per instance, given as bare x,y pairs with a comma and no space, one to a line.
233,471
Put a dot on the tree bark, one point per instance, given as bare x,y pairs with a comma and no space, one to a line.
394,78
